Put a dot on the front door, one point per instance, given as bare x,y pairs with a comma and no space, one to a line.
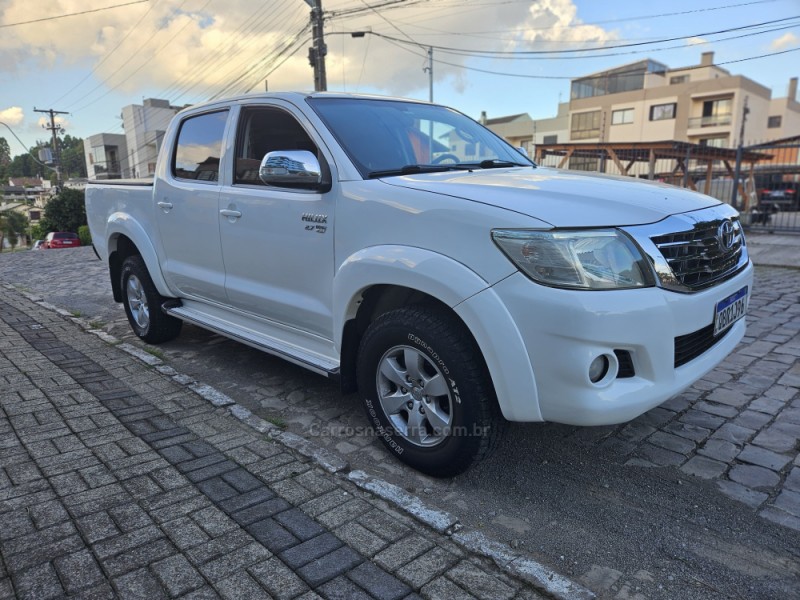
277,243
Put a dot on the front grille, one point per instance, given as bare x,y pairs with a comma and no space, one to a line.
690,346
697,257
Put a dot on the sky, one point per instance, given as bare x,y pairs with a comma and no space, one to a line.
119,52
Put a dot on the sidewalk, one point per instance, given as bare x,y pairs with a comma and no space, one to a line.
775,250
118,480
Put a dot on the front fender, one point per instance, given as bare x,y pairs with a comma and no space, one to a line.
120,224
434,274
458,287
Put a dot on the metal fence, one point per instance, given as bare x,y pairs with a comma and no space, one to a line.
772,200
762,181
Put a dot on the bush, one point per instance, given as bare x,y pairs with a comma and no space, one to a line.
86,237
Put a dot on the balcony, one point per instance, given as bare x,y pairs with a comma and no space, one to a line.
712,121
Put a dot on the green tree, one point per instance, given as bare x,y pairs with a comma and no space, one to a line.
5,152
37,233
14,226
64,212
73,161
22,165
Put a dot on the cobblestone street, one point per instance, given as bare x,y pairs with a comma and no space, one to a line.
698,498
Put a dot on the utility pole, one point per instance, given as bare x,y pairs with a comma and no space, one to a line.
737,173
54,129
429,70
317,52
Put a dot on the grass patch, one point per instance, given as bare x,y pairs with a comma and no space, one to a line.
155,352
277,421
97,324
75,313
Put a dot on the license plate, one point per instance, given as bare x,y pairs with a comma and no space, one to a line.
730,310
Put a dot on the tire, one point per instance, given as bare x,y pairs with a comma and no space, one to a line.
142,304
426,390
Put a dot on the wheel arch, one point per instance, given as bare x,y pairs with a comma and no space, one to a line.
379,279
127,238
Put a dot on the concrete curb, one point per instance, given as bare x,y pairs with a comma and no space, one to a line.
438,520
515,564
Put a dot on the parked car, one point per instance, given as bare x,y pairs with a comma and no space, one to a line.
782,197
38,245
62,239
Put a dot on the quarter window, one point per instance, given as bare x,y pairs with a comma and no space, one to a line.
199,147
662,112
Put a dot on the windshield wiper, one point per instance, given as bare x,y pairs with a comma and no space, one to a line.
411,169
497,163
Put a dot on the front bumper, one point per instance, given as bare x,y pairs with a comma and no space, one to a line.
563,331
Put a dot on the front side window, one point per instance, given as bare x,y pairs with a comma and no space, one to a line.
662,112
263,130
199,147
389,137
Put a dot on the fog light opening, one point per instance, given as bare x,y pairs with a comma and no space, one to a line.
598,369
603,370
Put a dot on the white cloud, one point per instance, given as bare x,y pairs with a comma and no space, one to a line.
557,21
189,50
13,115
786,41
44,121
696,41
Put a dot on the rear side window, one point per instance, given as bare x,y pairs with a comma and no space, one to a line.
65,236
199,147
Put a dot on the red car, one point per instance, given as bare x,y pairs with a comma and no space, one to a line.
61,239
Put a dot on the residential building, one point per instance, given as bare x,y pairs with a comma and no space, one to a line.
132,154
646,101
523,132
106,156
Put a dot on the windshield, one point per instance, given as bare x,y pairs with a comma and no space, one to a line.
391,137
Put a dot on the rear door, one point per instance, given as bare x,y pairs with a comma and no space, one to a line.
187,212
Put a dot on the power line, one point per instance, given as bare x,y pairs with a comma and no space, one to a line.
485,34
648,50
108,54
144,64
27,150
569,77
124,64
84,12
519,53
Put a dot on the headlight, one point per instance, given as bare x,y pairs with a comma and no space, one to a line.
597,259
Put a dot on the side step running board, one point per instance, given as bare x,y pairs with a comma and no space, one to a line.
299,356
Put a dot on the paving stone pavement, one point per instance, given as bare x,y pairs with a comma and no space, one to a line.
736,430
118,481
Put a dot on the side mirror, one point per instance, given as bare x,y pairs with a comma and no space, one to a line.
291,168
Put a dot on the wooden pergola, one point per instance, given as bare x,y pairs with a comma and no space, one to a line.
626,154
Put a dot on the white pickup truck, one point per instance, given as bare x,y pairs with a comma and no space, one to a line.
412,254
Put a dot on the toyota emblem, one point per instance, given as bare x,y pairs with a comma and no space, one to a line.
725,235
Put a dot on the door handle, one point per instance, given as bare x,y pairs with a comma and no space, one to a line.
231,214
165,205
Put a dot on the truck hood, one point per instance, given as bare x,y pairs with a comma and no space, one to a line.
562,198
